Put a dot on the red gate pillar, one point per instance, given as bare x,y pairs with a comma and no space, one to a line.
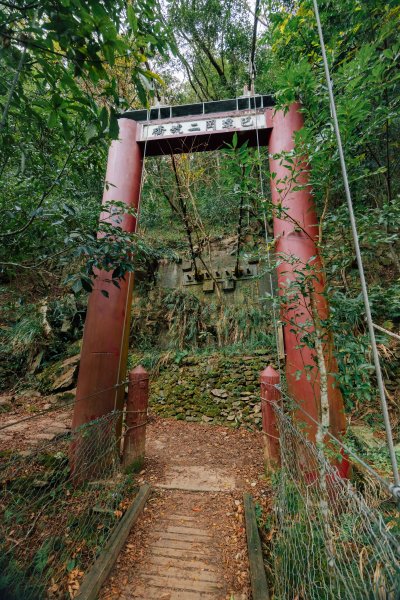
105,340
296,233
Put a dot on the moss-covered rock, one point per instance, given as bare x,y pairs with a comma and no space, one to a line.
59,376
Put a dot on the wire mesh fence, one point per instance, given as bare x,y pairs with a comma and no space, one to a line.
59,503
330,540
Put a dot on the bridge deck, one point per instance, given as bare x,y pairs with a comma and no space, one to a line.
191,542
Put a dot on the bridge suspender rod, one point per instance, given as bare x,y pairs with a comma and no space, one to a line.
385,412
252,72
268,244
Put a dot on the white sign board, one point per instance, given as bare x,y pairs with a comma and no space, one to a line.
203,125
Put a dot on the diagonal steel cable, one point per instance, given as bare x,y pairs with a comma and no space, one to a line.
381,387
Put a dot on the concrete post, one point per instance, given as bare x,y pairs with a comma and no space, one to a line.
136,418
270,395
296,235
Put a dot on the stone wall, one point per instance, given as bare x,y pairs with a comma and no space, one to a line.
216,265
214,388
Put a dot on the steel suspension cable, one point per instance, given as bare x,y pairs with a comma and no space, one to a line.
384,406
390,333
252,67
261,178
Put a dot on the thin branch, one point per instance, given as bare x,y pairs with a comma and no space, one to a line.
12,89
42,199
324,211
185,218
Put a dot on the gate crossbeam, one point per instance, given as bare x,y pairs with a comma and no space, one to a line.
202,126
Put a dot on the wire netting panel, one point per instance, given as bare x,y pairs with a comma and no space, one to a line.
329,543
58,507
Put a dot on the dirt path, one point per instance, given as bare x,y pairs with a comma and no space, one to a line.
190,543
29,432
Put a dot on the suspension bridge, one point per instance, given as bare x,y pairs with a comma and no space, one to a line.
330,540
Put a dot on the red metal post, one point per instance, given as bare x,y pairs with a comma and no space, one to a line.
296,235
104,349
136,418
270,395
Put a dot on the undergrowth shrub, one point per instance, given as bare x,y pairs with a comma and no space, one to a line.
33,334
180,321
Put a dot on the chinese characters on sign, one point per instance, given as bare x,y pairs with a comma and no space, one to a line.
204,126
160,130
247,122
177,128
227,123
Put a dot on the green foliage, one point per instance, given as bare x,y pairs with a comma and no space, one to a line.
362,46
215,185
34,333
56,523
68,49
77,66
213,44
189,323
66,68
13,581
26,337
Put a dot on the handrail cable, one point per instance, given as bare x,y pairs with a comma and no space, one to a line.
392,489
72,401
391,333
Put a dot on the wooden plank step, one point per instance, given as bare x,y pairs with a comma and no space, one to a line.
193,531
166,535
178,560
182,545
182,517
181,573
154,593
181,584
169,551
